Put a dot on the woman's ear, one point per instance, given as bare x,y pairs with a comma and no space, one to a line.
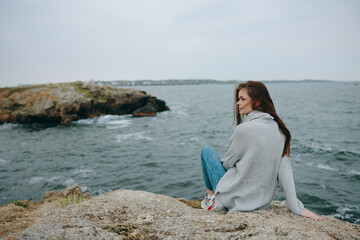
257,104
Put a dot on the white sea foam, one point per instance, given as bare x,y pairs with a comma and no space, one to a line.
38,179
34,180
69,182
89,121
82,172
52,179
133,136
354,172
195,139
118,124
2,161
7,126
318,147
113,120
343,212
298,158
325,167
101,191
104,120
311,164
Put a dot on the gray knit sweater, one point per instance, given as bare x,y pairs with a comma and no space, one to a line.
254,167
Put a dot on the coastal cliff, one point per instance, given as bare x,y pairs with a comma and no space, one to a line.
128,214
63,103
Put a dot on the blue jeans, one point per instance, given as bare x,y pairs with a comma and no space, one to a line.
212,167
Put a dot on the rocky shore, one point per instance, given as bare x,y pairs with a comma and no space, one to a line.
127,214
63,103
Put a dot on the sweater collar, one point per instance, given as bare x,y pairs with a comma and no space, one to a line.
255,115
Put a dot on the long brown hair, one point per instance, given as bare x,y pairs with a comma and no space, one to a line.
262,101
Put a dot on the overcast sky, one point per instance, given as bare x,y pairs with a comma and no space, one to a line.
45,41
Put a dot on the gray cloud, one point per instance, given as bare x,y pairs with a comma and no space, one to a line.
52,41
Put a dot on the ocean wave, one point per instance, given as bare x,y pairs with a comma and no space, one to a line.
325,167
311,164
319,147
111,121
2,161
344,155
83,172
88,121
69,182
354,172
297,158
100,191
346,213
195,139
38,179
150,165
7,126
133,136
35,180
119,124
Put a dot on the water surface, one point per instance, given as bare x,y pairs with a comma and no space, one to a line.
161,154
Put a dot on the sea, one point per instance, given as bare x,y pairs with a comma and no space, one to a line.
161,154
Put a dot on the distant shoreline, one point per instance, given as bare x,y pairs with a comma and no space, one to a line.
166,82
199,81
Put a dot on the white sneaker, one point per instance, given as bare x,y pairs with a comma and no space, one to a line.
208,203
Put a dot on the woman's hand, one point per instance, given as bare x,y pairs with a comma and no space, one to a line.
312,215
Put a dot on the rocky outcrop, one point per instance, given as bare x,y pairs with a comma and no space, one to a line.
66,102
126,214
22,214
145,111
74,190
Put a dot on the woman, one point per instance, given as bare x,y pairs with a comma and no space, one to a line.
258,158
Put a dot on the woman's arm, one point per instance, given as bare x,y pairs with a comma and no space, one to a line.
230,159
286,182
237,146
312,215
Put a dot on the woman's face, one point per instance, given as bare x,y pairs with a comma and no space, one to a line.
245,103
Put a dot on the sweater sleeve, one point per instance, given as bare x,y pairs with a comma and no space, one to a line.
286,182
237,146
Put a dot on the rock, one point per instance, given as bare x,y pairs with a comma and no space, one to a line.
66,102
21,214
72,190
50,196
127,214
145,111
